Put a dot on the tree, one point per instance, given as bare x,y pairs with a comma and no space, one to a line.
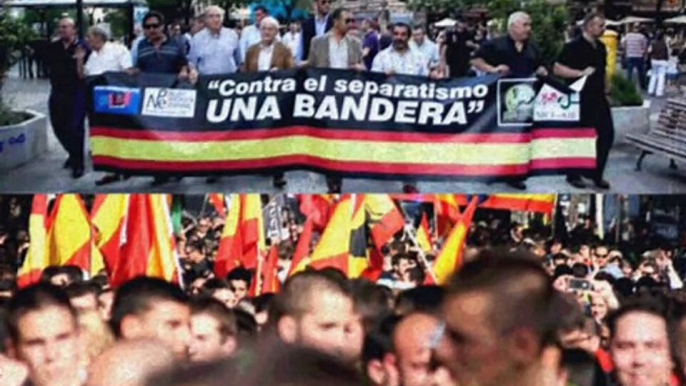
291,5
14,37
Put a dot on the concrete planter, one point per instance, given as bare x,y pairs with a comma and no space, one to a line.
630,120
23,142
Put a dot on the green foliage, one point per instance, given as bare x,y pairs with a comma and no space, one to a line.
118,22
624,92
14,36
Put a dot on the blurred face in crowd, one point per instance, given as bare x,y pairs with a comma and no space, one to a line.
259,15
325,326
195,255
95,41
418,35
176,30
226,296
167,321
49,345
154,29
240,289
596,27
473,347
521,30
343,23
323,7
293,28
601,256
352,351
598,307
105,301
207,341
198,25
67,30
269,32
585,251
213,20
403,268
640,350
412,339
556,248
85,304
401,38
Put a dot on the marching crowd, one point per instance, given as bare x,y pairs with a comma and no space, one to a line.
524,309
326,40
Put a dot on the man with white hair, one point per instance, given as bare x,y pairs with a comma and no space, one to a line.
105,57
512,55
252,34
214,50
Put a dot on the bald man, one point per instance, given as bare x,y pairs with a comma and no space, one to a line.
412,339
130,363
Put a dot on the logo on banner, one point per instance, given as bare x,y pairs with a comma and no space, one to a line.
516,99
555,105
169,103
117,100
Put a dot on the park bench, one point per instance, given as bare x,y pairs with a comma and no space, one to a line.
667,138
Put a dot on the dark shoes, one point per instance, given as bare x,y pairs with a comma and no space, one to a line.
334,185
601,184
110,178
410,189
279,181
77,172
519,185
576,182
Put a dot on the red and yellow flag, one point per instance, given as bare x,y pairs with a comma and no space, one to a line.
217,201
302,249
70,235
108,216
538,203
385,219
450,259
318,207
37,257
424,238
252,229
230,246
163,260
270,280
447,212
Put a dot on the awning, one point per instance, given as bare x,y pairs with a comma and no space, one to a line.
71,3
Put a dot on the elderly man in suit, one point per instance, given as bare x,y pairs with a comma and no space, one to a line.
317,25
269,55
338,50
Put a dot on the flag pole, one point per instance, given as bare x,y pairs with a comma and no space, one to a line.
409,229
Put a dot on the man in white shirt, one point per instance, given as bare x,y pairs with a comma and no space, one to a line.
251,34
105,57
424,45
399,58
214,50
292,38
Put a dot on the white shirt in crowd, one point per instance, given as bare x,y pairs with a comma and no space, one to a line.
291,40
412,62
264,60
338,53
111,57
214,53
429,49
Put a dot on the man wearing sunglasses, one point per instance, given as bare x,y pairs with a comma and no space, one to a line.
337,49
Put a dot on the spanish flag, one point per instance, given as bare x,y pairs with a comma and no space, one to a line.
538,203
318,207
230,251
252,230
109,215
450,258
217,201
148,247
270,280
385,219
37,257
70,236
447,212
424,238
302,249
341,244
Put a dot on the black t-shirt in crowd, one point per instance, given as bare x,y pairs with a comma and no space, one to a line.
502,50
64,76
458,54
580,54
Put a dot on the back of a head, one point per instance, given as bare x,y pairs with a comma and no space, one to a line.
420,299
379,341
581,367
35,298
520,290
216,309
296,295
138,295
371,302
130,363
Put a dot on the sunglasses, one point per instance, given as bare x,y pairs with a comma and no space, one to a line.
152,26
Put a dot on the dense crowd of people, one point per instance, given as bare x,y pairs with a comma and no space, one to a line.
525,308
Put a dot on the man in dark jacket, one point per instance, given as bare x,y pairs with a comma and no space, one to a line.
317,25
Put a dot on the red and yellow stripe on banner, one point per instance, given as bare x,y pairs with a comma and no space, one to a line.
343,150
538,203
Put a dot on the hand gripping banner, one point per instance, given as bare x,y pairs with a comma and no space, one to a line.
338,122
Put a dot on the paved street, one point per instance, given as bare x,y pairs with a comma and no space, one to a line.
46,174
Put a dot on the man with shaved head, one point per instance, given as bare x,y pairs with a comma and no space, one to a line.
315,310
130,363
413,352
499,323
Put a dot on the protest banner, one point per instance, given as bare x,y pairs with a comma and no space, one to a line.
351,124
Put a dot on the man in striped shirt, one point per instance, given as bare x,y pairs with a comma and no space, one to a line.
635,45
